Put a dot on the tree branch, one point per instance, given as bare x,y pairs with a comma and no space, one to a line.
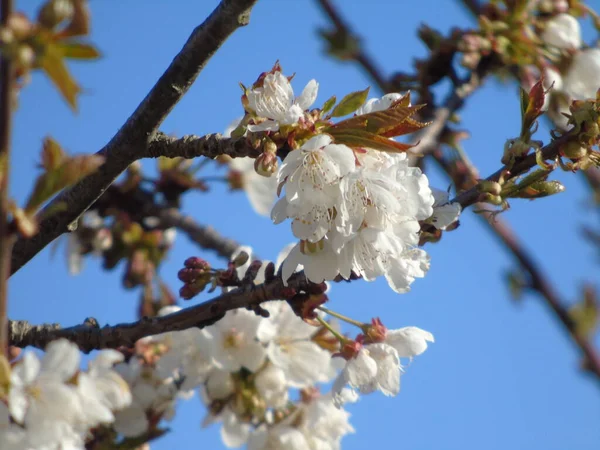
362,58
205,236
543,286
89,336
549,152
430,139
132,141
7,237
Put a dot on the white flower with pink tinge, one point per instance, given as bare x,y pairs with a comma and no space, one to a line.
375,366
275,102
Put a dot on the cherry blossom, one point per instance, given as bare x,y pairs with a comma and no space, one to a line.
275,101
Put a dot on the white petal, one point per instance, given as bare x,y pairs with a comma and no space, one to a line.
234,433
61,359
309,95
360,370
409,341
131,422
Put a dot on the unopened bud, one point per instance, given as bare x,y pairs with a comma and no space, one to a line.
193,262
574,150
240,259
186,292
266,165
490,187
54,12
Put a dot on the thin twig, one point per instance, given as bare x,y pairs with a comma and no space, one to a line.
6,236
542,285
429,140
362,58
133,139
205,236
89,336
549,152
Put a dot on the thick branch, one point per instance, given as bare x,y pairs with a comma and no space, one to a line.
89,336
132,141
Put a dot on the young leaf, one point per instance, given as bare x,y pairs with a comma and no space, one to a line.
52,154
328,105
78,50
365,139
350,103
52,63
68,173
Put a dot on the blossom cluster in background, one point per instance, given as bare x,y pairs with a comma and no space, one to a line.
576,72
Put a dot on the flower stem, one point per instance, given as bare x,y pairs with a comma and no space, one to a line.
326,324
341,317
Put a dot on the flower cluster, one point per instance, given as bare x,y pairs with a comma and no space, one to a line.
261,377
355,209
51,404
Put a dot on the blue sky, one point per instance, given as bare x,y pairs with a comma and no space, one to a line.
500,375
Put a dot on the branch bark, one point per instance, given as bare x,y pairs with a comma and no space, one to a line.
133,140
205,236
7,237
90,336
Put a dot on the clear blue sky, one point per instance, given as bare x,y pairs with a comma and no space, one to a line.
500,375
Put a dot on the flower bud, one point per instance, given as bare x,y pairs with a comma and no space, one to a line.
193,262
54,12
240,259
266,164
574,150
490,187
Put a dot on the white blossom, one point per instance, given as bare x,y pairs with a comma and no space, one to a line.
275,101
562,31
234,343
40,398
272,385
377,366
582,79
291,349
279,437
324,424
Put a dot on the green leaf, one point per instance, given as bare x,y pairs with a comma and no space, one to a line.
52,63
350,103
68,173
328,105
78,50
